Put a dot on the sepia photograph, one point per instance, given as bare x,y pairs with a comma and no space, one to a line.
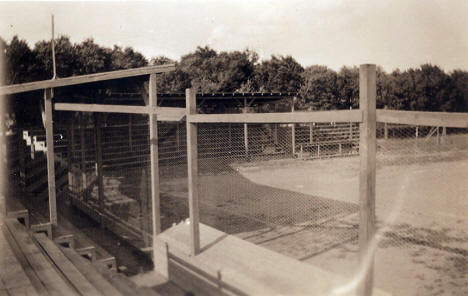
217,147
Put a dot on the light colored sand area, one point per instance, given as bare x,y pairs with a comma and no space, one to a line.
436,189
423,217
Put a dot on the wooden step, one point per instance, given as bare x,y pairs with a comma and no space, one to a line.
52,281
13,279
91,273
65,266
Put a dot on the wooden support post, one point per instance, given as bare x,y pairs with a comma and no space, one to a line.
21,156
438,137
192,163
230,137
33,146
48,95
154,156
385,128
444,134
100,177
177,137
318,150
246,132
311,133
71,146
144,193
130,132
275,133
83,156
340,150
350,128
416,132
367,151
3,166
293,131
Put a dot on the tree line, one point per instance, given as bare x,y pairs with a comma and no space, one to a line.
427,88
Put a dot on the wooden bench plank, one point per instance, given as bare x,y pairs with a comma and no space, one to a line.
65,266
52,280
29,271
11,272
90,272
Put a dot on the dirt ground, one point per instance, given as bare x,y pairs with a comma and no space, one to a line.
308,210
421,208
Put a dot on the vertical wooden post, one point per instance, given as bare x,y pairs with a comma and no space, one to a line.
177,137
385,128
21,156
48,95
444,134
367,151
33,146
153,128
3,165
350,128
71,145
230,137
98,149
144,207
311,133
246,132
275,133
83,155
416,132
192,163
438,137
293,131
130,132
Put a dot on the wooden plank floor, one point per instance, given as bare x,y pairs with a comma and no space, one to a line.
51,279
13,279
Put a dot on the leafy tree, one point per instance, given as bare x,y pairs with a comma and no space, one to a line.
278,74
319,89
209,71
19,59
347,88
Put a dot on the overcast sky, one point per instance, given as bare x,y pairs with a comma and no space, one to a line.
393,34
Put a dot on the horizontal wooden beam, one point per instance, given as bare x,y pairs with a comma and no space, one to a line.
73,80
163,113
446,119
289,117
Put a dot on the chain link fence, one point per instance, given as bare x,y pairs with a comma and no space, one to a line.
421,209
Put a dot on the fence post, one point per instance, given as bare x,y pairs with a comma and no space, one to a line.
97,130
367,151
71,144
130,132
385,128
444,134
153,129
21,156
83,157
48,95
246,132
293,131
350,127
192,163
33,146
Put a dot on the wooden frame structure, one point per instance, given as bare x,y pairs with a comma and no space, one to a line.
367,116
166,114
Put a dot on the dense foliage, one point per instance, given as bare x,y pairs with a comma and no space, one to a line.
425,88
